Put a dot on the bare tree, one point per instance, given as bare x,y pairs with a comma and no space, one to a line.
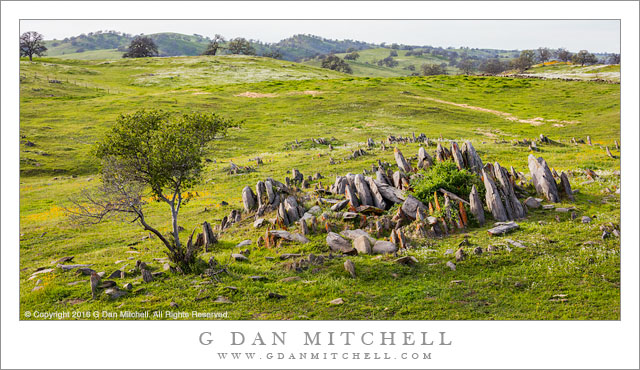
214,45
32,43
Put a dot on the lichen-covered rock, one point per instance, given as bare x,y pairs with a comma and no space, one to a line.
543,179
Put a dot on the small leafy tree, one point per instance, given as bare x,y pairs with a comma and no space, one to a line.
393,53
32,43
584,57
564,55
544,54
493,66
335,63
352,56
614,59
526,59
388,62
466,65
214,45
141,47
151,154
240,45
433,69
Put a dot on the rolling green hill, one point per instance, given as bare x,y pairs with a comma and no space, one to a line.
366,64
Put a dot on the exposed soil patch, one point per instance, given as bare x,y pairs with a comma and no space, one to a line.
249,94
306,92
537,121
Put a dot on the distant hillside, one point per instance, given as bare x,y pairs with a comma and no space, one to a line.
174,44
305,46
169,44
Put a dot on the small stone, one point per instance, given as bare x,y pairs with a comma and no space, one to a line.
290,279
315,210
115,293
548,206
239,257
337,301
362,244
532,203
173,305
586,219
222,299
257,278
259,223
384,247
244,243
107,284
407,260
460,255
449,251
451,265
146,276
350,267
477,251
276,295
562,209
127,286
115,275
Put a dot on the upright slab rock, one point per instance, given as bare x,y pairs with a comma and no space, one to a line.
402,163
543,179
261,194
492,197
566,186
248,199
340,185
512,205
351,197
378,199
471,158
476,205
271,195
364,193
457,155
424,159
291,207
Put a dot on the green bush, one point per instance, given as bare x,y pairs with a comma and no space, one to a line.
447,176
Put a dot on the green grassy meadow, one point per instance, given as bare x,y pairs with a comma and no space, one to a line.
567,271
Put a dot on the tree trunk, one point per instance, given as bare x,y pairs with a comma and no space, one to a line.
174,223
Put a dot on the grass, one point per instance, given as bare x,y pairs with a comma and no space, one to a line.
574,71
303,102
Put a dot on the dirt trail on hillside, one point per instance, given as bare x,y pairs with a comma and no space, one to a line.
537,121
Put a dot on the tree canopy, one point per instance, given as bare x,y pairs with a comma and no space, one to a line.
141,47
32,43
335,63
240,45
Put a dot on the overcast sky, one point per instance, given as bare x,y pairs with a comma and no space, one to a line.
593,35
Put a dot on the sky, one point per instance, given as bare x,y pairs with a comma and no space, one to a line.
599,36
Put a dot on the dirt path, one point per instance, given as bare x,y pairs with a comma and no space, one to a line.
537,121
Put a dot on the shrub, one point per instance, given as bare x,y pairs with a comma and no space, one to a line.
447,176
